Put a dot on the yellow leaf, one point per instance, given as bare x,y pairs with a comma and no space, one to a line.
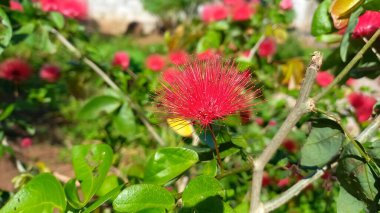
181,126
293,72
343,8
280,35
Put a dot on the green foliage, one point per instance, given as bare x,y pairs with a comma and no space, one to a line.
322,23
97,105
346,203
5,30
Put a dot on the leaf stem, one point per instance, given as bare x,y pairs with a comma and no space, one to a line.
216,149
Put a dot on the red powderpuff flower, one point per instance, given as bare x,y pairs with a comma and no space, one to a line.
206,91
259,121
324,78
350,82
155,62
179,57
242,12
214,12
362,104
233,2
170,75
286,4
267,48
283,182
367,25
15,69
290,145
15,5
272,123
50,73
205,55
49,5
73,8
121,59
266,179
26,142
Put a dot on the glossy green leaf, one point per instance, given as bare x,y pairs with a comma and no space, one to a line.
239,141
322,23
346,203
345,44
153,210
42,194
143,196
5,30
372,5
7,111
124,121
91,164
100,104
168,163
57,19
211,40
209,168
109,183
201,188
321,146
108,196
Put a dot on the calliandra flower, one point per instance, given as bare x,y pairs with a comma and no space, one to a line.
267,48
272,123
324,78
76,9
233,2
26,142
16,6
121,59
242,12
206,91
214,12
259,121
290,145
286,4
49,5
155,62
170,75
178,57
367,25
283,182
266,179
207,54
363,105
15,69
50,73
350,82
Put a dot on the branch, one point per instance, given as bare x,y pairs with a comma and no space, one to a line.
302,184
303,105
109,82
348,67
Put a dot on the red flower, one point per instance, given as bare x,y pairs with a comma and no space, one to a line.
283,182
73,8
290,145
233,2
324,78
362,104
49,5
15,69
367,25
179,57
267,48
214,12
242,12
205,55
245,117
259,121
266,179
155,62
26,142
286,4
15,5
350,82
121,59
272,123
206,91
50,73
170,75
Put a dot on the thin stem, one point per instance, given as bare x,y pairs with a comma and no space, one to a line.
110,83
216,148
256,47
348,67
372,48
234,171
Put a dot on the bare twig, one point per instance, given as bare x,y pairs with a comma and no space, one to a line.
302,184
303,105
373,48
256,47
348,67
109,82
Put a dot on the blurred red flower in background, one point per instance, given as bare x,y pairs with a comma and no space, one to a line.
121,59
178,57
286,4
362,104
283,182
350,82
242,12
207,54
266,179
324,78
233,2
367,25
70,8
15,5
206,91
155,62
49,5
170,75
26,142
267,48
290,145
50,73
15,69
214,12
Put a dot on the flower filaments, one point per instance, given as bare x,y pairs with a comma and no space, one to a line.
206,91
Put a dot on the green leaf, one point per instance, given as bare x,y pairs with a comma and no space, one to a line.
372,5
97,105
344,45
57,19
91,164
7,111
109,196
124,121
110,182
322,22
321,146
42,194
209,168
239,141
346,203
143,196
168,163
5,30
201,188
211,40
